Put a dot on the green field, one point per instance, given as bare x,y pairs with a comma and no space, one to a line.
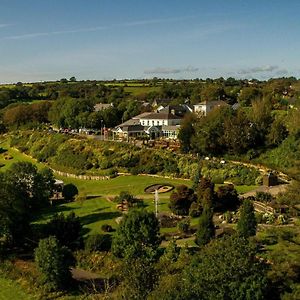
9,290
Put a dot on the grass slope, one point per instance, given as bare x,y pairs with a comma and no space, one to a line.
9,290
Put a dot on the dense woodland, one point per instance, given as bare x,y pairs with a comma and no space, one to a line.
256,257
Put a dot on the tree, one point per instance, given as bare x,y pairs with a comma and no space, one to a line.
227,268
186,132
33,186
53,262
139,278
181,200
239,133
277,134
64,80
72,79
205,193
67,230
227,197
206,228
209,132
246,225
98,242
137,235
248,94
69,191
14,214
212,92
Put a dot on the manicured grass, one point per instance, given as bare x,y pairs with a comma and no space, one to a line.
134,184
15,155
92,213
10,290
137,90
241,189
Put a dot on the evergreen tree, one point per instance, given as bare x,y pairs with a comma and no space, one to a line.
206,228
54,262
246,225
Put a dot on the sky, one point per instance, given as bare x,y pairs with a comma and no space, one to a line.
104,39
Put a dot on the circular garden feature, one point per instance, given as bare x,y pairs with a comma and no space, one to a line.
160,187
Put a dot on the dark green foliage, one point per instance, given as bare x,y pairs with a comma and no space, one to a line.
69,191
227,198
246,225
263,197
33,186
205,193
124,196
24,114
181,200
225,269
206,228
67,230
240,134
137,235
139,279
23,190
209,132
106,228
195,209
186,132
291,196
53,263
278,133
98,242
14,214
184,225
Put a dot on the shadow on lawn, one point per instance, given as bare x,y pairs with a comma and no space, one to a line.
99,216
45,214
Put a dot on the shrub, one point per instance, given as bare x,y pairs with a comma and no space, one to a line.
98,242
263,197
53,263
195,210
181,200
106,228
69,191
67,229
184,225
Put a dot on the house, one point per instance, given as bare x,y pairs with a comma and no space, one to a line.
206,107
164,123
102,106
161,102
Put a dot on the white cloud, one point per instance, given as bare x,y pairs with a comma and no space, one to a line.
259,69
96,28
161,70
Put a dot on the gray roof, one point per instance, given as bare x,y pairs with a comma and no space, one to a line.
161,116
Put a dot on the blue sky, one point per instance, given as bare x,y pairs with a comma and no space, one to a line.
105,39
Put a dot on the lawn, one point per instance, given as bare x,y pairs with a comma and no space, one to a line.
138,90
12,291
97,210
15,156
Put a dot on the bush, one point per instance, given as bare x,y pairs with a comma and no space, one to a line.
69,191
263,197
106,228
184,225
67,229
53,263
195,210
98,242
